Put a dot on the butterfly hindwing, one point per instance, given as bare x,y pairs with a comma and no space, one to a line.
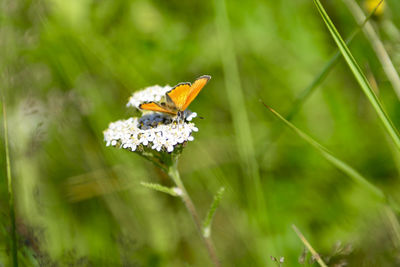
156,107
195,89
179,95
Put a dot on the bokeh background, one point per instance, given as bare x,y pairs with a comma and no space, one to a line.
68,69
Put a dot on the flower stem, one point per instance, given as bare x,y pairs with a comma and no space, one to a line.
174,174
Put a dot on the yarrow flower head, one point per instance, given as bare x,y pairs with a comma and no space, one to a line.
153,133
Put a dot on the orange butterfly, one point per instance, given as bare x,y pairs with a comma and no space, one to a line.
178,98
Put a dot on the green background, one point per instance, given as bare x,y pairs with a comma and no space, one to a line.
67,71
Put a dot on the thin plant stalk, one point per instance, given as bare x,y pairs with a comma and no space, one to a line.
360,77
14,248
310,89
309,247
377,45
173,173
306,93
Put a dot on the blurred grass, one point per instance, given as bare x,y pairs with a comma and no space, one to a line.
377,45
70,67
360,77
306,93
242,128
344,167
10,185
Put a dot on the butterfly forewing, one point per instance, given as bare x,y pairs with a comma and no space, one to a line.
179,95
195,89
156,107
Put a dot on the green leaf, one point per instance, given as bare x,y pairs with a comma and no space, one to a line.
359,75
174,191
341,165
211,212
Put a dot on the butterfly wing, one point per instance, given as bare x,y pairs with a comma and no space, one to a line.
179,94
195,89
179,97
152,106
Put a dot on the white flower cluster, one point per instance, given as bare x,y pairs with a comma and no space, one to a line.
157,131
152,93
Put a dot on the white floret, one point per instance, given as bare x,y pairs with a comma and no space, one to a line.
153,93
164,135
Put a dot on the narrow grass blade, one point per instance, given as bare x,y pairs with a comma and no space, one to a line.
394,223
377,45
236,100
14,248
309,247
344,167
211,212
360,77
309,90
160,188
306,93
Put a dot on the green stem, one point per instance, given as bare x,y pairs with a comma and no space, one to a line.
309,247
377,45
10,190
360,77
174,174
304,95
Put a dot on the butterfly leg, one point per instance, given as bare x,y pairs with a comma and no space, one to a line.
176,120
181,117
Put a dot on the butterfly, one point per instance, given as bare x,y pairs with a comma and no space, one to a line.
178,98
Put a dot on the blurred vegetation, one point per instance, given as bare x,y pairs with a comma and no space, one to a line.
67,70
